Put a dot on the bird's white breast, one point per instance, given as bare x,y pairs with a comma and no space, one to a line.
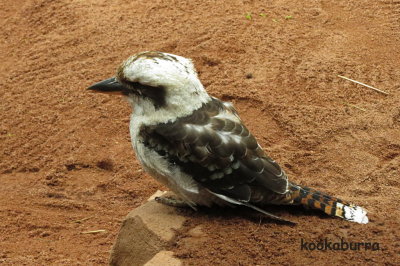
166,173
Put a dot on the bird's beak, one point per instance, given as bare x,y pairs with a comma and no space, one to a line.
110,86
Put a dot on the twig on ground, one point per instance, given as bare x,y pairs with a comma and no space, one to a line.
363,84
94,231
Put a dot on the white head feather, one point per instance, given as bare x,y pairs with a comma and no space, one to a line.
176,75
175,80
156,68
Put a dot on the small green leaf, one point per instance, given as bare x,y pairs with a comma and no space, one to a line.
263,15
248,16
288,17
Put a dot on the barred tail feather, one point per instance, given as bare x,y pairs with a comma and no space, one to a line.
330,205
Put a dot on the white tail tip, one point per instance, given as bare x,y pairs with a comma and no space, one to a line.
355,214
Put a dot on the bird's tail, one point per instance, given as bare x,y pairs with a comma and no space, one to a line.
314,199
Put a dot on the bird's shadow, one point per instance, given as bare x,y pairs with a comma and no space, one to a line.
293,214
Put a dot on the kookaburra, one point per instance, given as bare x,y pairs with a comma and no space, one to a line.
198,146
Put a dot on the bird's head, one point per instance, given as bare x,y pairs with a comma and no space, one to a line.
155,78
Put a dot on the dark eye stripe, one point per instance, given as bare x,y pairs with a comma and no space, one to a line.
155,94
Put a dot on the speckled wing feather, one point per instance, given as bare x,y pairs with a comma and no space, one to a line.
214,147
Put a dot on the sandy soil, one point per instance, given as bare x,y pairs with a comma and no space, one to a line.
66,162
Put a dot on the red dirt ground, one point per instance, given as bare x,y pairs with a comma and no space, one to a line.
65,154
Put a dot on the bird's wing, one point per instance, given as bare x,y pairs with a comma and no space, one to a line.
218,151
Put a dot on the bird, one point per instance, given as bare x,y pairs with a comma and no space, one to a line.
198,146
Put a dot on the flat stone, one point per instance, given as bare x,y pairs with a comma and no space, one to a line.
144,233
165,258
